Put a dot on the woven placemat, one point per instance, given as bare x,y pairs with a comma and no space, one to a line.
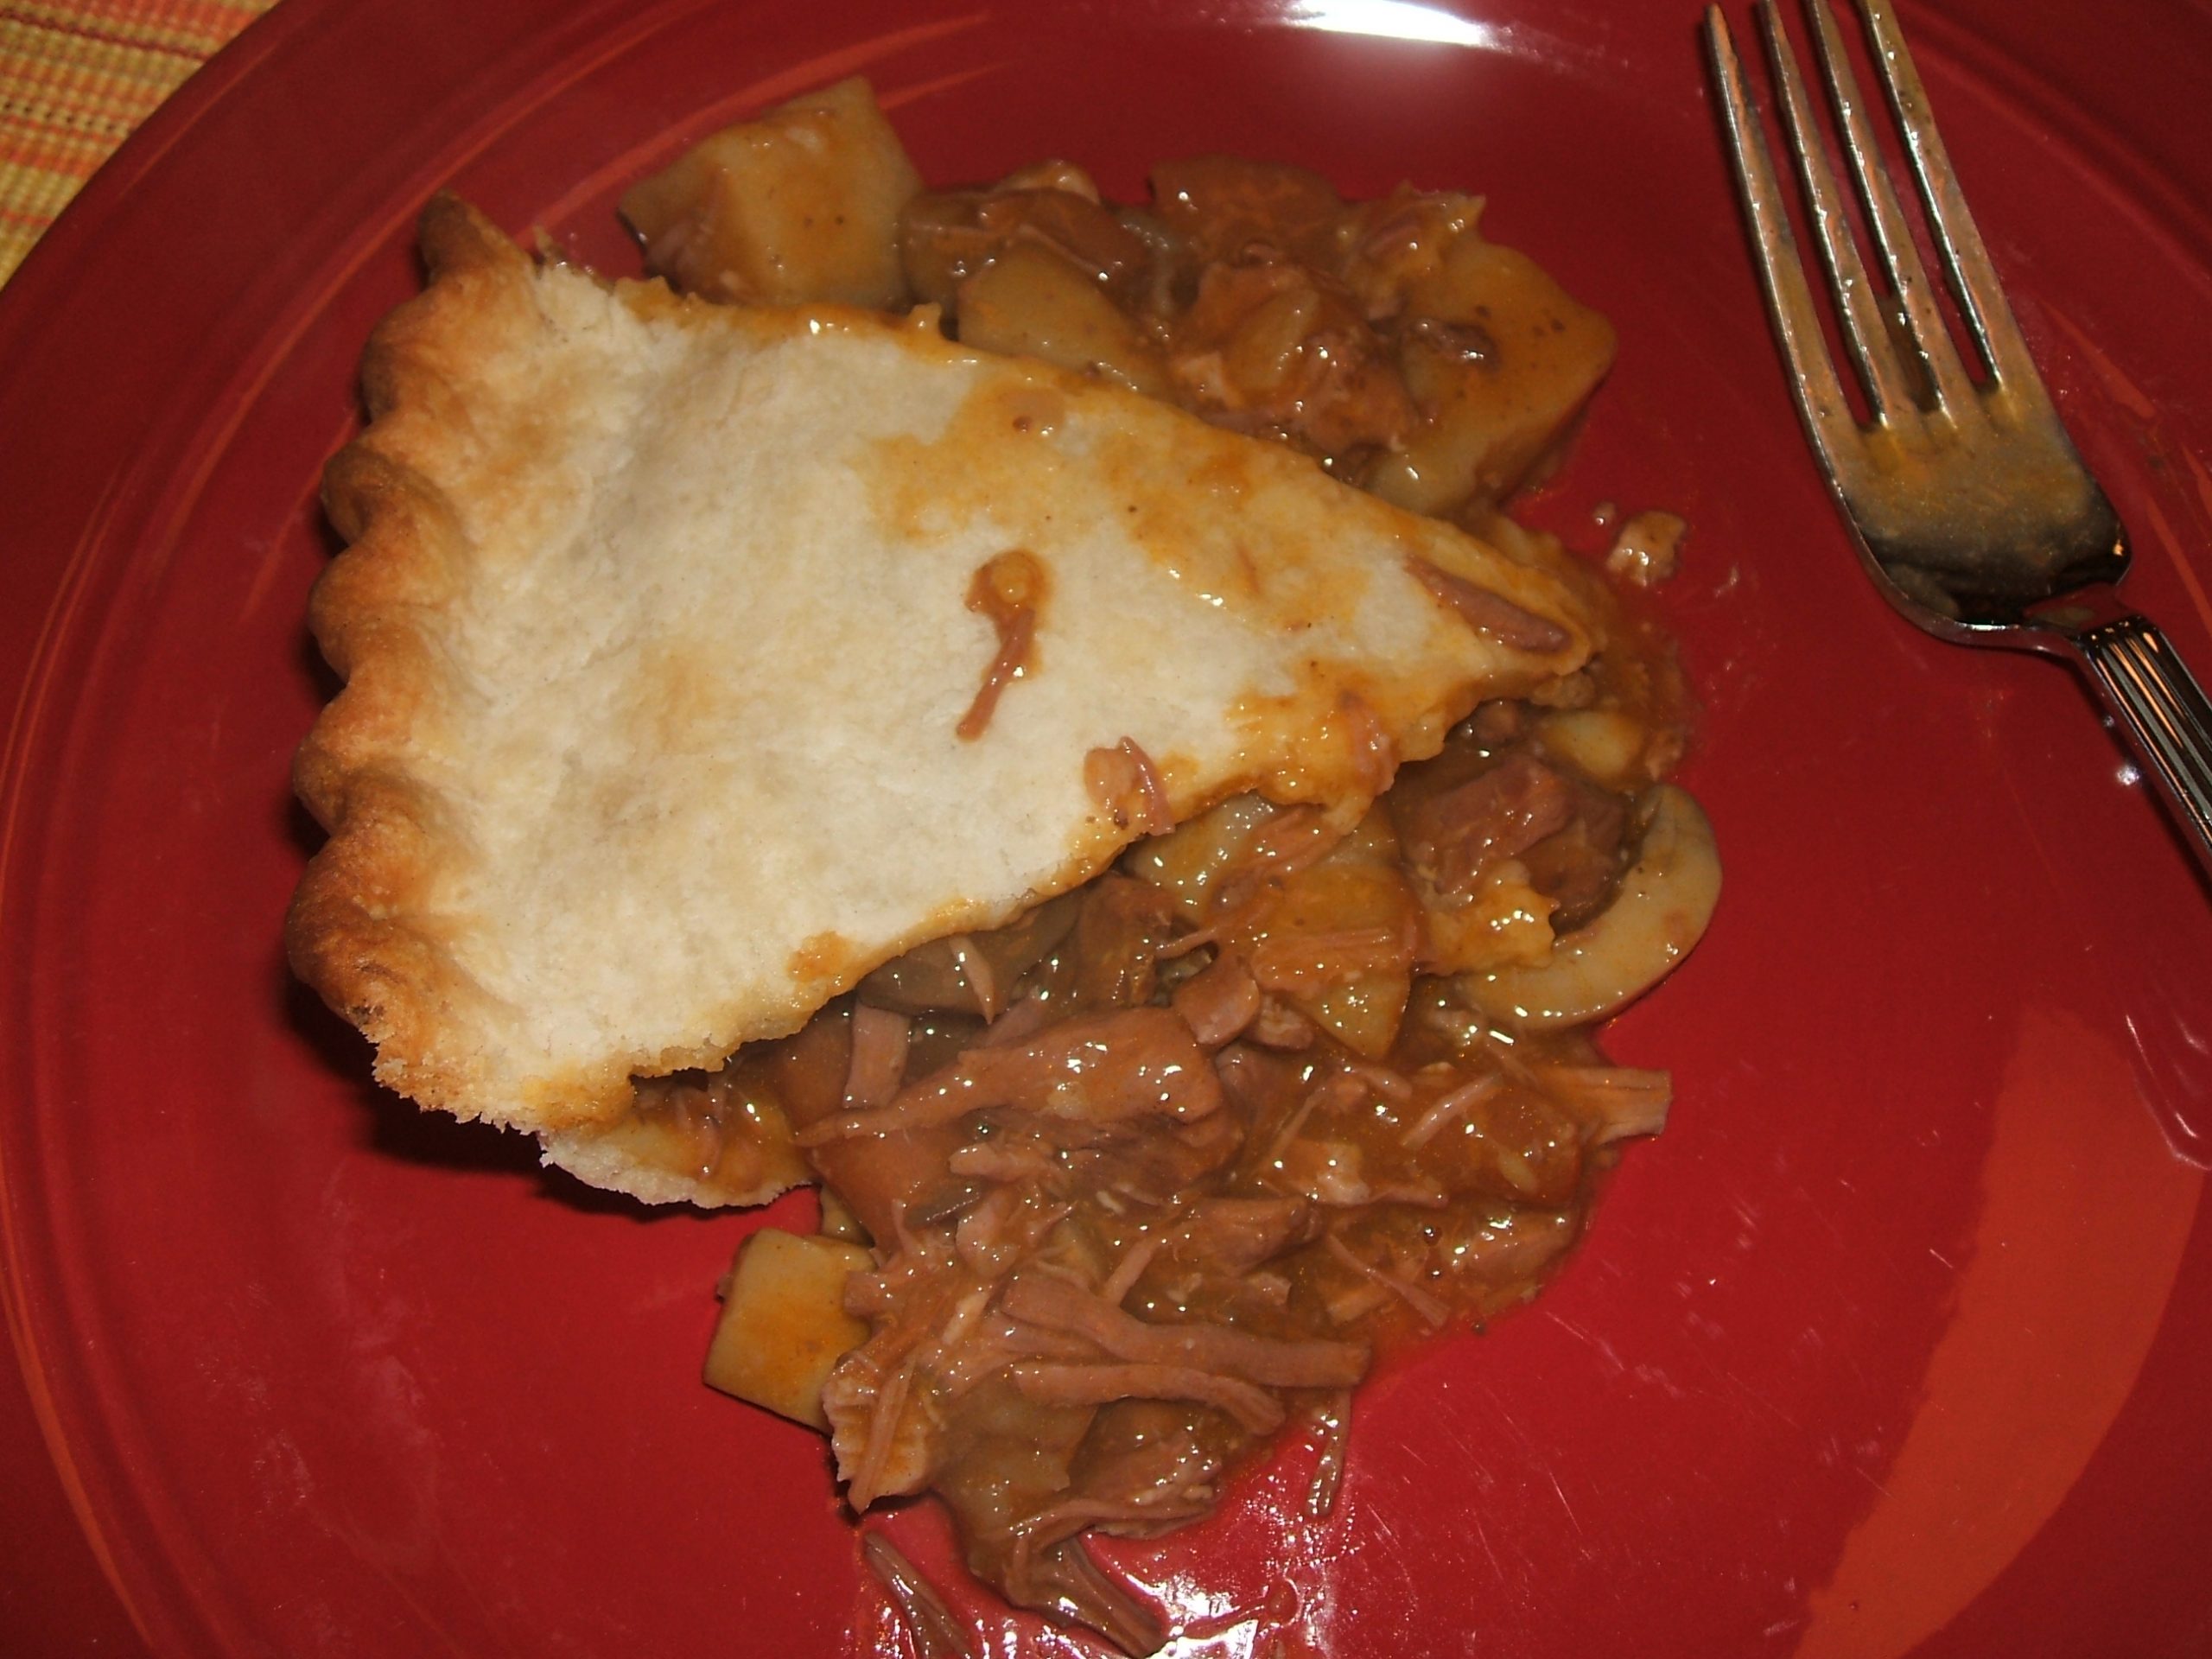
76,77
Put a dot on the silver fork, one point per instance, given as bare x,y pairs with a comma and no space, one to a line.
1972,509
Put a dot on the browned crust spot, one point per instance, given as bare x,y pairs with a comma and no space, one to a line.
826,958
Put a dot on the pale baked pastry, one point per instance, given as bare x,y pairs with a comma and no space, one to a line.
665,626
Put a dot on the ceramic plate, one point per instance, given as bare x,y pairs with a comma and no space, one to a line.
1896,1341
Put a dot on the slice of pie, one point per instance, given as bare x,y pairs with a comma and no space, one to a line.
700,659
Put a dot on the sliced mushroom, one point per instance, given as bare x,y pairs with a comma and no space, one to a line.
1665,900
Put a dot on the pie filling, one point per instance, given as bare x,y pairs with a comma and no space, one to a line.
1164,1165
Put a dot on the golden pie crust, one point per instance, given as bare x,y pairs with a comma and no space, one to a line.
655,638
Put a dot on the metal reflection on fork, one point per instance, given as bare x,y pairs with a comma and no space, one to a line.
1972,509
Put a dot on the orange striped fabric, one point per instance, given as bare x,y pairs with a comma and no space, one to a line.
76,76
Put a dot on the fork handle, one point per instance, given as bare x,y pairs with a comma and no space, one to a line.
2145,683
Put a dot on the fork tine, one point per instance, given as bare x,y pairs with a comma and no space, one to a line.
1790,299
1991,318
1954,390
1864,331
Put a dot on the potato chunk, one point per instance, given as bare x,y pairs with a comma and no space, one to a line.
1336,943
1032,302
1192,860
801,205
1501,360
783,1324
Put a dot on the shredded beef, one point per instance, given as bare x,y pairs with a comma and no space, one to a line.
1216,1142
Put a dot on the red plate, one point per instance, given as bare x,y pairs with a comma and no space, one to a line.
1900,1335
